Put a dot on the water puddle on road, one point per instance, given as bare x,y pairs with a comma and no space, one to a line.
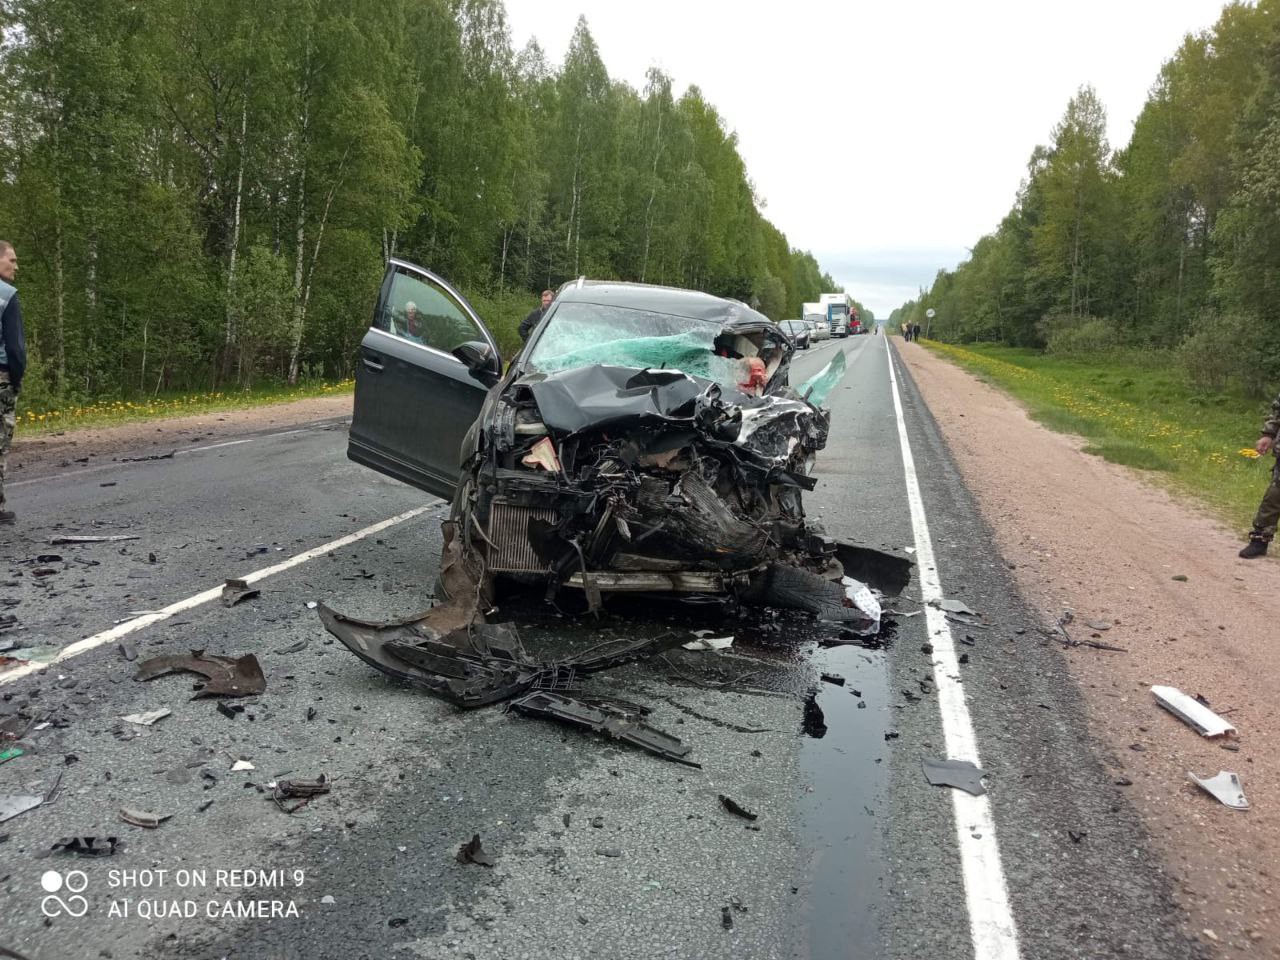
843,754
845,760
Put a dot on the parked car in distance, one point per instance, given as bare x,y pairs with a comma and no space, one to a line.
818,330
798,331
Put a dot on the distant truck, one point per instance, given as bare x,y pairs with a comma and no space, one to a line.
838,310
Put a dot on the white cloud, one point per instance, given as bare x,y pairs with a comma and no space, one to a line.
874,127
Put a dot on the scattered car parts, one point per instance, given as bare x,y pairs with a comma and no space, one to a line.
736,808
224,676
1225,787
148,718
472,852
1192,712
619,721
235,590
113,538
143,818
301,790
962,774
13,804
85,846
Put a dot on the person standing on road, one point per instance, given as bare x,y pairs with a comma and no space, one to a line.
1264,524
13,359
915,332
535,316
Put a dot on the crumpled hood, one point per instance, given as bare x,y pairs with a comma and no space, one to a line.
598,397
603,398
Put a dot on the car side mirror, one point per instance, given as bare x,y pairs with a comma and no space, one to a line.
480,360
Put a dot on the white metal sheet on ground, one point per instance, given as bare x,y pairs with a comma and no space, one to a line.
1192,711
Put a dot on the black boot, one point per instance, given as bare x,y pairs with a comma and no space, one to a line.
1256,547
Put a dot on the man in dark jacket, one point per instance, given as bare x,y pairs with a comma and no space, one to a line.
13,359
1264,524
535,317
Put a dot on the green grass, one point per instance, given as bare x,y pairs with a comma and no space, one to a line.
102,413
1137,410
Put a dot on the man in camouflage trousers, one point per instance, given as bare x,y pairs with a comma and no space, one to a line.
1264,524
13,359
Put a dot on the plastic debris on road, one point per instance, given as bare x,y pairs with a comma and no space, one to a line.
225,676
949,605
472,852
861,597
235,590
961,774
143,818
1225,787
301,790
114,538
706,642
85,846
736,808
1192,712
148,718
13,804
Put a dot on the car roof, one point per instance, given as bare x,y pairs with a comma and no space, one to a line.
669,300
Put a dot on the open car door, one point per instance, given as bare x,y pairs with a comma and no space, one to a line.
425,366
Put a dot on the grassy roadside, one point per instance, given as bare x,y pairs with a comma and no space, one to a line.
1137,415
105,413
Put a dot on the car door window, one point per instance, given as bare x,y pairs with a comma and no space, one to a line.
419,310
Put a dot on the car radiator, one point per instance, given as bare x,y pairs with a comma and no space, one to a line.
510,548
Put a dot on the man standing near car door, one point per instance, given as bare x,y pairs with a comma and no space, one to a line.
535,317
13,359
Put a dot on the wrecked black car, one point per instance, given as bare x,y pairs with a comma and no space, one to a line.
645,439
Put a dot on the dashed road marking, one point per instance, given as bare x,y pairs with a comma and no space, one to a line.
991,924
213,593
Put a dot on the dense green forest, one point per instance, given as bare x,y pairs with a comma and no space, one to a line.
1170,244
204,192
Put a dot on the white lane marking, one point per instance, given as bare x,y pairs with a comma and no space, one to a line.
213,593
99,467
995,936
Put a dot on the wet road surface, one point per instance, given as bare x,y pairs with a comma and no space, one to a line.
600,850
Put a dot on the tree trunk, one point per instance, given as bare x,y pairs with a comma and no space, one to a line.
230,332
91,305
299,305
653,191
59,305
502,269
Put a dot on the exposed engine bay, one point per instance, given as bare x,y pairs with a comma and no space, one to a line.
668,464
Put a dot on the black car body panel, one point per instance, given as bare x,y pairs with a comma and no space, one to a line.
414,398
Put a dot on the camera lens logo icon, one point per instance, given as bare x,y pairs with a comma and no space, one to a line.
73,882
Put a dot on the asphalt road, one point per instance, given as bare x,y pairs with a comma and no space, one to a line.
600,850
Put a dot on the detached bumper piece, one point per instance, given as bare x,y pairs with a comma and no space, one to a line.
486,663
619,721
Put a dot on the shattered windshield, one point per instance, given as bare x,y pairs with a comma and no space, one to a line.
585,334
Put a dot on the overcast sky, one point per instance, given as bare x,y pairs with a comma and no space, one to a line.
885,137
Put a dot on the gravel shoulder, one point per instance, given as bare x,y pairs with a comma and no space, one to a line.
1103,541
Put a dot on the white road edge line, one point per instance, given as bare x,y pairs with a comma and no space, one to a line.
213,593
995,936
